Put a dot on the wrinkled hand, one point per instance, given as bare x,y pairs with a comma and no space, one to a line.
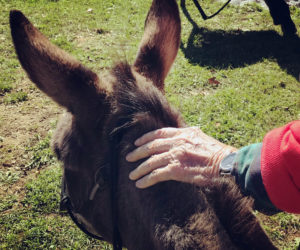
181,154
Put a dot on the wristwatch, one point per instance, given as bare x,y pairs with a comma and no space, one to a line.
226,164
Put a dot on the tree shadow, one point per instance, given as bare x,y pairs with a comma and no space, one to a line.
235,48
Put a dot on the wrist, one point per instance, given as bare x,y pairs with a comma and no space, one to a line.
227,163
222,161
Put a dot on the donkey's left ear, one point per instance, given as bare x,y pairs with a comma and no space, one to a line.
160,42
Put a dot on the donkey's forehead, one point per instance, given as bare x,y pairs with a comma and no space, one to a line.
106,81
124,75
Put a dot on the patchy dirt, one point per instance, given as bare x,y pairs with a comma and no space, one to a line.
21,126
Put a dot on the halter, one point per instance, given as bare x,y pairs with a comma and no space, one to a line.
66,205
204,16
100,184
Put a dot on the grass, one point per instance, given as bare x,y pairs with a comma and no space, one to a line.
8,177
256,70
36,222
17,97
5,88
8,202
41,153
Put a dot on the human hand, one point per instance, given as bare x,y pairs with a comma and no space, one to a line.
181,154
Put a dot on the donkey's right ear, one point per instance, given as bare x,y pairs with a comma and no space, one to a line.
160,42
55,72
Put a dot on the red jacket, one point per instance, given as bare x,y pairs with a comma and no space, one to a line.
280,166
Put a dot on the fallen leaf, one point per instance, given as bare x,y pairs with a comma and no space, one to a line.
213,81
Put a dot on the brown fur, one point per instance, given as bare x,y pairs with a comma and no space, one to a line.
105,117
160,42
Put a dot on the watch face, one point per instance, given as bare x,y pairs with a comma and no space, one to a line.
227,163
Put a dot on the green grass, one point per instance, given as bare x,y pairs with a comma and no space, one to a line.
240,48
279,224
17,97
41,153
44,198
8,177
5,87
7,202
38,224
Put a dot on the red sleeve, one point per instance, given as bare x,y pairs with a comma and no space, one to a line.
280,167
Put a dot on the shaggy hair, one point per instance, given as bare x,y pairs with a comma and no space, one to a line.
104,116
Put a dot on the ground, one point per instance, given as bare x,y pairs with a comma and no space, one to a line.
235,76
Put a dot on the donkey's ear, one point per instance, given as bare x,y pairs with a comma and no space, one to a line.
160,42
55,72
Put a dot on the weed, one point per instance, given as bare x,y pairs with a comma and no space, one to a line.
8,177
7,202
41,153
43,194
280,226
4,87
16,97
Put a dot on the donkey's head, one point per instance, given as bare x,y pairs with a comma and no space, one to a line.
99,107
104,117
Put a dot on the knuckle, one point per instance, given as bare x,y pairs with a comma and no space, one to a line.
151,162
155,158
158,175
185,139
181,152
179,142
174,170
149,147
159,132
173,166
194,129
194,132
154,175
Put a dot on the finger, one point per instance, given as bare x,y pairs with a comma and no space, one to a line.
158,175
157,134
154,147
189,174
199,176
154,162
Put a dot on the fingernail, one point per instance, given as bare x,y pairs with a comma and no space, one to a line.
137,141
129,157
131,175
138,184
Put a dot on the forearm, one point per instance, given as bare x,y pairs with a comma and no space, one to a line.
270,171
246,168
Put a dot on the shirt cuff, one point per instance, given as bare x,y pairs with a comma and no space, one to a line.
247,172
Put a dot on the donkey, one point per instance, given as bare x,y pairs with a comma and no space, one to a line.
104,115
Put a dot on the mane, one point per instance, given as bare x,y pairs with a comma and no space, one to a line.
140,106
135,101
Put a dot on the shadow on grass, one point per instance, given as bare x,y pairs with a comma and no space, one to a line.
235,48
